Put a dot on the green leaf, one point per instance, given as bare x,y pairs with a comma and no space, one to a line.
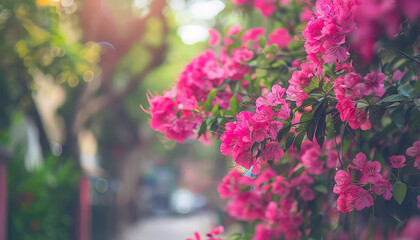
320,131
335,118
309,102
215,109
289,140
279,63
306,117
321,188
209,101
247,102
399,191
247,236
310,130
202,129
417,102
312,85
392,98
271,48
283,131
255,147
406,90
298,172
319,117
417,88
398,116
226,113
233,103
298,140
210,120
235,236
362,104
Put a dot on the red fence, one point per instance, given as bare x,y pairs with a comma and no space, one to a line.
84,209
3,199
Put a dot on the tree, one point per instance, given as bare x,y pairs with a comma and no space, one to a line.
43,51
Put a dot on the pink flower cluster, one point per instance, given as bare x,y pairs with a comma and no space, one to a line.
175,113
164,110
414,151
251,200
260,126
210,235
300,79
325,35
267,7
349,89
352,195
310,156
376,18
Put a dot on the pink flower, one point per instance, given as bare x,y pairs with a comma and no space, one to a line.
363,200
306,193
280,186
303,179
261,233
311,160
215,231
259,131
247,206
230,184
383,187
352,79
244,157
418,201
284,112
267,7
397,161
234,30
263,114
214,38
275,97
272,150
252,34
360,161
335,53
412,230
273,128
332,159
227,41
414,151
345,202
264,177
342,177
411,8
371,172
344,66
272,211
374,82
196,237
280,37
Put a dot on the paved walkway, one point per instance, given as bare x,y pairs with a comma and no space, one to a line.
170,227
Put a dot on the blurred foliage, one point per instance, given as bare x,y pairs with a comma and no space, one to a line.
34,41
40,201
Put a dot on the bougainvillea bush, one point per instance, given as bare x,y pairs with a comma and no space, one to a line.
321,115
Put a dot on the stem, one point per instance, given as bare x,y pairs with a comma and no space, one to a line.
336,148
408,56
